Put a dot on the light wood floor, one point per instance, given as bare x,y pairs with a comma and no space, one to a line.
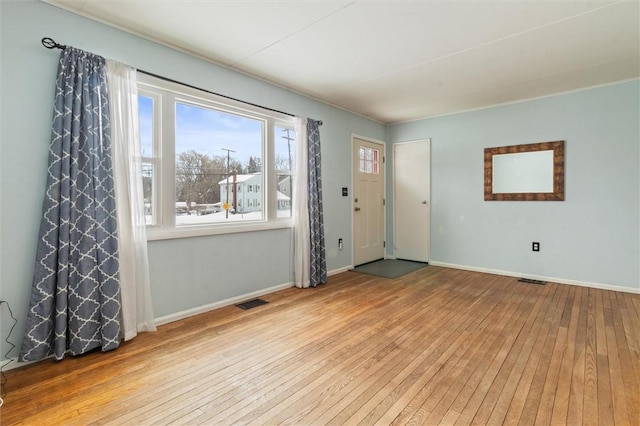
438,346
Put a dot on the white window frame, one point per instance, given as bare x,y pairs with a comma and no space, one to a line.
165,94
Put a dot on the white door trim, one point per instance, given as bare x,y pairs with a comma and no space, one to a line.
355,136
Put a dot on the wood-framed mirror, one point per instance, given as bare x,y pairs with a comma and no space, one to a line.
529,172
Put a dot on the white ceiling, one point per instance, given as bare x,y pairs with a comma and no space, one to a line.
397,61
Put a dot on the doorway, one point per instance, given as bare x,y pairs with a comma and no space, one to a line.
368,201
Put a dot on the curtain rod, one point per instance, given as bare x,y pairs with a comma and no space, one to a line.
50,43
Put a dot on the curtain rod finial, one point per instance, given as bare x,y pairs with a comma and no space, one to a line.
50,43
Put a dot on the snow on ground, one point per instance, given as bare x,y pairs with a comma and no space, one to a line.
220,217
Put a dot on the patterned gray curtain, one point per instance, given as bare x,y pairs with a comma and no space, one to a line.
75,296
318,266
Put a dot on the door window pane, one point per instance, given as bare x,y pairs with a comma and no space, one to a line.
369,160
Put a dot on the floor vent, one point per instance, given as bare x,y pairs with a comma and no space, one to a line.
530,281
251,304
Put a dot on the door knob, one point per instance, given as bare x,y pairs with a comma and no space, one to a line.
424,201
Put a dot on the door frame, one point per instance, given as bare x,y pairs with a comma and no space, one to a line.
355,136
393,183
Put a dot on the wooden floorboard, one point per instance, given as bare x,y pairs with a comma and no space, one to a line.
437,346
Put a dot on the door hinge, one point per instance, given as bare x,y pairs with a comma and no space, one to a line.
384,202
383,159
384,244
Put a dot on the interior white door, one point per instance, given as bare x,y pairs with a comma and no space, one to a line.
368,201
411,194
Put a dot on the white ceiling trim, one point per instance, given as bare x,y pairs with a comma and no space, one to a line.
519,101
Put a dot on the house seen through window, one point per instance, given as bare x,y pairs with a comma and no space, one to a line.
205,163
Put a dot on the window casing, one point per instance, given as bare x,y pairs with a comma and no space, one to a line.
198,151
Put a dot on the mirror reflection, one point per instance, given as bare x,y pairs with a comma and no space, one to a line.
523,172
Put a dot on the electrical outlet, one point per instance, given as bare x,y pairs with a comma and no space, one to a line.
535,246
340,243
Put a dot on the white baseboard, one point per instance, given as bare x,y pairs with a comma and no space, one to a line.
233,300
537,277
219,304
339,270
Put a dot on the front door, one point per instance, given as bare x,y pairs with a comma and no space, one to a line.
368,201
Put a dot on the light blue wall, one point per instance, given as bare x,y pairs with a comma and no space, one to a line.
592,237
185,273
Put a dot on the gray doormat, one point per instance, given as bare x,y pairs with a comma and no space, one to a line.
389,268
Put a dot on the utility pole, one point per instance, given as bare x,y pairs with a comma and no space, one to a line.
229,151
289,139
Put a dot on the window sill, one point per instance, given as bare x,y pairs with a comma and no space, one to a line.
192,231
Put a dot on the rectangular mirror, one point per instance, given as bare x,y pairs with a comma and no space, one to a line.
531,172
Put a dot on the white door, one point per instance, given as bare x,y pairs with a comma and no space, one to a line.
411,193
368,201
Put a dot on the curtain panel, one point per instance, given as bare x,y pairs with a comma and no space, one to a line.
309,259
318,261
135,283
75,296
301,239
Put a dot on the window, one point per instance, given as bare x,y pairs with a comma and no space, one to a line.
369,162
198,151
285,156
147,108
